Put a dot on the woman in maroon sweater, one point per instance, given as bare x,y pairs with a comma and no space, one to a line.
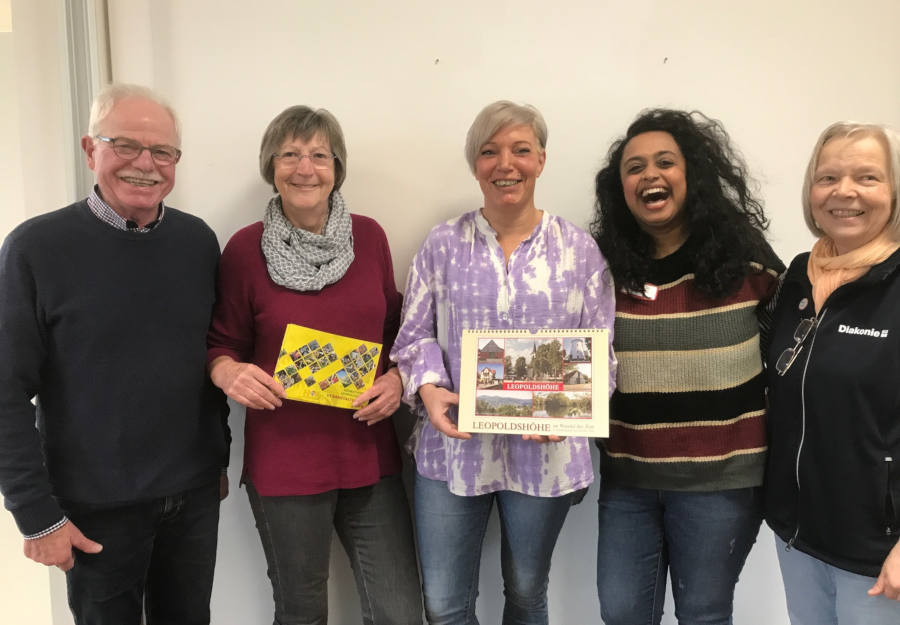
309,467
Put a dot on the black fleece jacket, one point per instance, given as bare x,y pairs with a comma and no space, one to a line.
832,482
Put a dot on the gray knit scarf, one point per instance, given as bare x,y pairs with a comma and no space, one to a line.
302,260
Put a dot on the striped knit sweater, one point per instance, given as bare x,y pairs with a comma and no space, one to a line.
689,410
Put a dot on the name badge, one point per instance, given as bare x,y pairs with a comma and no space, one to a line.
649,294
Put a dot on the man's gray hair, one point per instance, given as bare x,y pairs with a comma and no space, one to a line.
114,93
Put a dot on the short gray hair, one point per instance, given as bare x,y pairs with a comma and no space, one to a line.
304,123
498,115
845,129
114,93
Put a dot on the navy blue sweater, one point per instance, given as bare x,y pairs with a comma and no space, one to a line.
108,329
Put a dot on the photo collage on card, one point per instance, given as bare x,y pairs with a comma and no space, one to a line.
321,366
534,377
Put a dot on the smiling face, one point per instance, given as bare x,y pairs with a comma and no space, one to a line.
507,167
850,196
654,181
133,188
305,189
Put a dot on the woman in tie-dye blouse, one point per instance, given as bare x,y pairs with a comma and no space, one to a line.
507,265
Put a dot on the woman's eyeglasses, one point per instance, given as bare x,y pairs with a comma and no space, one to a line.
291,160
789,355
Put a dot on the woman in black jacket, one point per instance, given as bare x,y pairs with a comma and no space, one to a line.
832,486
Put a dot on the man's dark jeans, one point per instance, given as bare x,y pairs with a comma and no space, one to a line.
158,554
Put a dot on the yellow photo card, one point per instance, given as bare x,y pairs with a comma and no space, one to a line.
324,368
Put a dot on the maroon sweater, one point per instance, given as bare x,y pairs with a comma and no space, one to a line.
302,448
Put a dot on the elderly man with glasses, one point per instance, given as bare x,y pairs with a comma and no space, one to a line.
114,474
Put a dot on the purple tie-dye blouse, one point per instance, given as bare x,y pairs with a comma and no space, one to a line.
556,278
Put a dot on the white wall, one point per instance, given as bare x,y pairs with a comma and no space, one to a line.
39,140
406,78
35,176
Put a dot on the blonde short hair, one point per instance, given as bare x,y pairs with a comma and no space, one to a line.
846,129
498,115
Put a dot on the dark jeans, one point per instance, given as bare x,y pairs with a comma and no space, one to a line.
701,538
374,526
158,554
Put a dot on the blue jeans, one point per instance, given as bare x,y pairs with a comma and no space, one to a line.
821,594
450,531
702,538
374,527
158,555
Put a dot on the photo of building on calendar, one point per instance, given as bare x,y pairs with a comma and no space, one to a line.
543,382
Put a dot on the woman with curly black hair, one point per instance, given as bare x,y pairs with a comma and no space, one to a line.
681,470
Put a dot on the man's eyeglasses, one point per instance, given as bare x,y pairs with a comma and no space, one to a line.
789,355
129,150
319,160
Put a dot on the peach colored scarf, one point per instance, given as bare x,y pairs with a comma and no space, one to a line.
827,270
